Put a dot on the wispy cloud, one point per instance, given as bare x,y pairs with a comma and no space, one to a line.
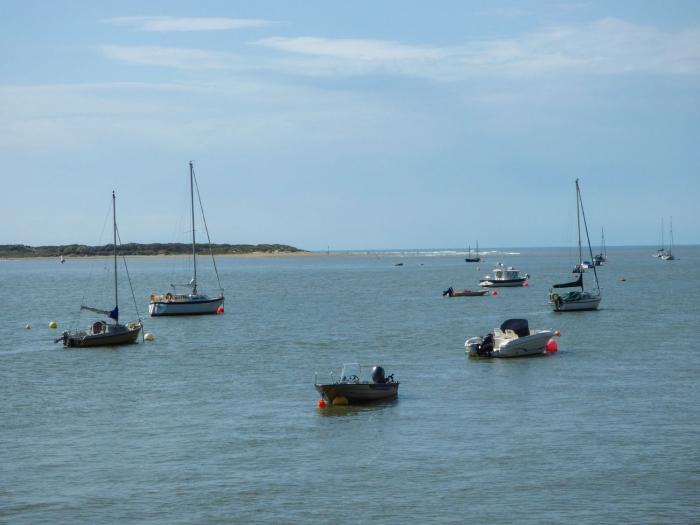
605,47
168,23
351,49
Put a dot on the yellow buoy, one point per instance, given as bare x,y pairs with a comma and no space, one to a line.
27,327
340,400
148,337
53,324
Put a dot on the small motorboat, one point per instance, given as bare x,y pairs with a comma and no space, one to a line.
503,276
356,385
512,339
451,292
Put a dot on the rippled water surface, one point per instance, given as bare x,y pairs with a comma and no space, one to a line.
216,421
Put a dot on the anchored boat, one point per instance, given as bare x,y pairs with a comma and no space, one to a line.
102,333
580,299
356,384
503,276
512,339
192,303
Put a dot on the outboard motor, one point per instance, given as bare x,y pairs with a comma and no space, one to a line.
378,375
486,346
449,292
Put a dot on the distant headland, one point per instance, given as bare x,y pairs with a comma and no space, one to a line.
18,251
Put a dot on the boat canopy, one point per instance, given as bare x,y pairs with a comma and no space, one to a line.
572,284
519,326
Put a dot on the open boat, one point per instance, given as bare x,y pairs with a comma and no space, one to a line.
503,276
355,385
475,258
451,292
583,299
102,333
192,303
512,339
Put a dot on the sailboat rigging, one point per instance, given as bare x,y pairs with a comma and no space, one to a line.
102,333
193,303
583,299
668,254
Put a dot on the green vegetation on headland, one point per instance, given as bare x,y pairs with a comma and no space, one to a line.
9,251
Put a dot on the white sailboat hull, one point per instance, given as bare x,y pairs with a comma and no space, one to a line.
188,307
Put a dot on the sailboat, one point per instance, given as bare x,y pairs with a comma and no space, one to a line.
102,333
583,299
192,303
659,253
668,254
469,257
602,257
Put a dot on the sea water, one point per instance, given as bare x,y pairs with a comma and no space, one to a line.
216,420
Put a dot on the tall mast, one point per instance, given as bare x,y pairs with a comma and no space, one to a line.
114,232
194,253
663,242
670,240
578,223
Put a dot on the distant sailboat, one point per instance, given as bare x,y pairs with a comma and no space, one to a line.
62,259
668,254
662,250
476,257
102,333
192,303
584,299
602,257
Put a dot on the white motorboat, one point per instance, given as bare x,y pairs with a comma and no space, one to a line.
503,276
583,299
192,303
512,339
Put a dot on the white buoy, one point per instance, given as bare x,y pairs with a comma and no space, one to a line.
27,327
148,337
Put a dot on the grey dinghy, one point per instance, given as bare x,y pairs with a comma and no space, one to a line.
353,388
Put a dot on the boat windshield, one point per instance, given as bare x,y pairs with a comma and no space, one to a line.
350,370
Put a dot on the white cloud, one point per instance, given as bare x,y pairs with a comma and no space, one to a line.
605,47
168,23
351,49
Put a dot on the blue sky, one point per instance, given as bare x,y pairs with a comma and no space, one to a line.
359,125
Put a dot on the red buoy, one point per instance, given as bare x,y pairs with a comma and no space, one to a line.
321,403
494,292
220,309
552,346
525,284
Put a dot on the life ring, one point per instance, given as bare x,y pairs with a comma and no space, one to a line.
98,327
555,297
168,296
132,326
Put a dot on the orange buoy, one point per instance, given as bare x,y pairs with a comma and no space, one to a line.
557,333
494,292
220,309
551,346
321,403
